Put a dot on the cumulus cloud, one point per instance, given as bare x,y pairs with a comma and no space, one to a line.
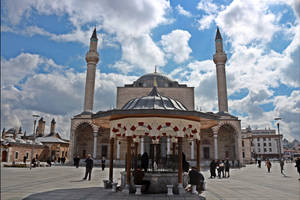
131,26
175,44
54,94
181,11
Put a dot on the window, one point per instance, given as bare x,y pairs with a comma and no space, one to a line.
270,144
269,139
265,149
265,144
27,155
257,139
270,149
16,155
264,139
243,154
242,143
258,149
258,144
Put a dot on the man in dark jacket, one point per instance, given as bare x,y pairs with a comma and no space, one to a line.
88,167
145,161
212,167
138,175
197,179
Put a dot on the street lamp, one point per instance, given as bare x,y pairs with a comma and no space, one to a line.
33,141
277,119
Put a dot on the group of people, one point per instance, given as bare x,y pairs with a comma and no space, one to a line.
222,168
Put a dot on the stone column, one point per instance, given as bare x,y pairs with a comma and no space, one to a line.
168,146
142,145
216,145
192,150
118,149
128,164
111,159
198,155
95,144
180,186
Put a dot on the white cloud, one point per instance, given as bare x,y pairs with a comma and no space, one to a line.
207,6
205,22
54,94
175,44
181,11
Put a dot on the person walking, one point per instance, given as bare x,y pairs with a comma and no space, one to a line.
227,167
138,176
76,161
298,165
281,166
88,167
24,159
259,162
269,165
212,168
103,163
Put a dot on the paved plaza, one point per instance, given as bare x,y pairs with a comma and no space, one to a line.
53,183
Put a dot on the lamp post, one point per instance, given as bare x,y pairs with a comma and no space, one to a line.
277,119
33,141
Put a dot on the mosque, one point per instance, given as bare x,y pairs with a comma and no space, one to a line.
157,115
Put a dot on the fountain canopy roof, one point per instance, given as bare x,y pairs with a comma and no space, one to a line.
154,101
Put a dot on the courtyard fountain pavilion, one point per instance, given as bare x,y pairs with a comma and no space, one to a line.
156,115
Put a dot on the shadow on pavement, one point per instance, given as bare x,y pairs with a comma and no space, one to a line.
94,193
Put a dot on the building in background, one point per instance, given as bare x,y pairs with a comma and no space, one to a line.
151,104
262,143
17,144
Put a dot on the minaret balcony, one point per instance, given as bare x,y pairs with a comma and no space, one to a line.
220,58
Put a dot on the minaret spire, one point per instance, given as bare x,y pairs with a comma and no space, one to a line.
92,58
220,59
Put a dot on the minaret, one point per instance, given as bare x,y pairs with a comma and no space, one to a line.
52,127
220,58
92,58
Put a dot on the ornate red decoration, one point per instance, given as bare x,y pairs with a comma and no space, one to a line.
149,127
153,137
140,136
158,137
123,134
184,129
176,128
159,127
141,123
119,124
115,130
134,136
146,133
125,128
132,128
190,126
168,123
164,134
191,135
170,136
194,131
186,135
118,135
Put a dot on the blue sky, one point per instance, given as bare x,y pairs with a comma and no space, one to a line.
43,47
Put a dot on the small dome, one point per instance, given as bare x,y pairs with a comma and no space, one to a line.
162,81
154,101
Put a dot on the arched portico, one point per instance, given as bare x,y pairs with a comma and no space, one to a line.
84,140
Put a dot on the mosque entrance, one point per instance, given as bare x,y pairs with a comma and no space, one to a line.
83,140
227,142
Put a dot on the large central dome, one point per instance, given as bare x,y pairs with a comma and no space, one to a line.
162,81
154,101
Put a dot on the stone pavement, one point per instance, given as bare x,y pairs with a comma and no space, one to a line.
65,183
